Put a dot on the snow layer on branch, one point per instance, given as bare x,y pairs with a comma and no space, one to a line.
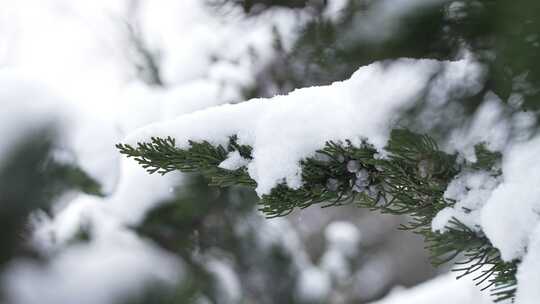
141,105
528,275
470,191
234,161
506,209
286,129
489,125
512,212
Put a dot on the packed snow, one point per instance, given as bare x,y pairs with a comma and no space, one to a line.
528,275
470,191
521,174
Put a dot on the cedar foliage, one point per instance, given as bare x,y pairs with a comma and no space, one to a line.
411,180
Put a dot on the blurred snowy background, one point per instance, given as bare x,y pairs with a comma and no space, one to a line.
77,76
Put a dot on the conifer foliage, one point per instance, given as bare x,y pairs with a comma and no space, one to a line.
411,180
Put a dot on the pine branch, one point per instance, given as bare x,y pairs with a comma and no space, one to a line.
410,180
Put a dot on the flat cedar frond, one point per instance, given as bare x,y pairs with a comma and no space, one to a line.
410,180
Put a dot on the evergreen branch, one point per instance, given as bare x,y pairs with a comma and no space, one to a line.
410,180
161,156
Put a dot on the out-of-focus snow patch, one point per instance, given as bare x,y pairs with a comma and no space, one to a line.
75,272
27,107
343,239
334,9
92,141
136,193
334,263
224,45
30,105
100,272
287,129
227,282
343,236
280,231
313,285
71,45
444,289
374,276
456,10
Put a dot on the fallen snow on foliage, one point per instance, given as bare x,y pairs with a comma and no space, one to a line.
286,129
470,190
505,208
234,161
513,210
528,275
490,125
